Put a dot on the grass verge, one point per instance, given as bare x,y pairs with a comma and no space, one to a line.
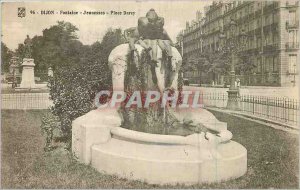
273,160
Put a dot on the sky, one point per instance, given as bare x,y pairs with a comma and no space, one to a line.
92,27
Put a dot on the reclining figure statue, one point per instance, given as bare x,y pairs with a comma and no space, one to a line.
149,33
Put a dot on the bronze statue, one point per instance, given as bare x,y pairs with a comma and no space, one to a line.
28,47
149,34
132,34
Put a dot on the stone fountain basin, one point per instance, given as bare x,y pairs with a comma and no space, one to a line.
154,158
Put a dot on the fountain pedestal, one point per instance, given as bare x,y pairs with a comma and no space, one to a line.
156,159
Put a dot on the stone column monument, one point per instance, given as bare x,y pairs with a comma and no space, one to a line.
28,73
28,66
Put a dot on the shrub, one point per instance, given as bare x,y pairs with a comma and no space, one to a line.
50,125
79,78
73,89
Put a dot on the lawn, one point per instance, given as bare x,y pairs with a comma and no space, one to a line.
273,160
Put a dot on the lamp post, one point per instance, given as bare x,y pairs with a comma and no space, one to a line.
14,67
233,44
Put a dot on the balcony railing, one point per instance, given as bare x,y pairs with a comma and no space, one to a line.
270,47
294,5
251,50
292,45
257,13
292,25
270,7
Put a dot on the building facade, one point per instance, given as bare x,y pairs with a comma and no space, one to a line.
272,29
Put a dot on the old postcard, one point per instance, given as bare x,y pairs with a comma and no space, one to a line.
150,94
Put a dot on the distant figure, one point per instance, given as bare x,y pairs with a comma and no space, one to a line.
238,83
28,47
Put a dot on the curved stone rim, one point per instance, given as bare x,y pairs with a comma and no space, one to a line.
136,164
148,137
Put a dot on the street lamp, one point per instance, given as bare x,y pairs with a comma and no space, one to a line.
14,66
233,44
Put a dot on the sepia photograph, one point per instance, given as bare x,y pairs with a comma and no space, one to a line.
150,94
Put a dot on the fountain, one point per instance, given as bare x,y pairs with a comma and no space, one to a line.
106,138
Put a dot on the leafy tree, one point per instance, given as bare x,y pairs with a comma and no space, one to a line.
57,46
245,64
111,38
197,63
20,51
213,63
219,63
6,55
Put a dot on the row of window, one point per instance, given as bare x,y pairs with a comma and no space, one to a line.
253,41
252,7
244,27
270,65
214,14
248,26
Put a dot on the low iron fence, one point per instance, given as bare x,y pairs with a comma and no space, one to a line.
284,110
25,101
280,109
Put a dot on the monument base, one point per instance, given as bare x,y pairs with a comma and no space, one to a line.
27,89
153,158
28,74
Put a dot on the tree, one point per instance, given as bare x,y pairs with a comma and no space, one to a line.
245,64
219,63
197,63
6,55
213,63
57,46
111,39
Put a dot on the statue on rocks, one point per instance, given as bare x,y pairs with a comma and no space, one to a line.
28,47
